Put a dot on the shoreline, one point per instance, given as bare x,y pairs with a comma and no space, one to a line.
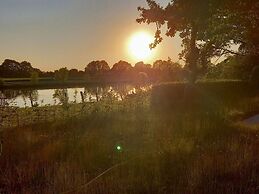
55,84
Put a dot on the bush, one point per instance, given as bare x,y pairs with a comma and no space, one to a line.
204,95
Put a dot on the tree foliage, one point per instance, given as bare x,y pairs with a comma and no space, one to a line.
207,28
237,22
61,74
14,69
190,19
121,66
142,67
97,67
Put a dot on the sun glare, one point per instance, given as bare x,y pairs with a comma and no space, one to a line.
139,46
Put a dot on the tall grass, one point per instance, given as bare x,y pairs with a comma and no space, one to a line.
190,151
211,96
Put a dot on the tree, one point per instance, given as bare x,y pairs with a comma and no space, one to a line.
11,68
168,65
168,70
143,72
122,71
61,74
97,67
189,18
142,67
73,73
237,23
121,66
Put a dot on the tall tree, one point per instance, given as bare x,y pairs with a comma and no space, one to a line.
97,67
237,22
142,67
121,66
61,74
189,18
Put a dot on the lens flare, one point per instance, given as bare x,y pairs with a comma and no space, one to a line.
118,148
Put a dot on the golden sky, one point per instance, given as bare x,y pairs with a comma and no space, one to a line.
57,33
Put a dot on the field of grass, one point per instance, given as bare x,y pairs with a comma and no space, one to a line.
129,147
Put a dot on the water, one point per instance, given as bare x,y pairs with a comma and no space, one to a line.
45,97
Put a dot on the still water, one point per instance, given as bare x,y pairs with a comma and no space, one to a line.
44,97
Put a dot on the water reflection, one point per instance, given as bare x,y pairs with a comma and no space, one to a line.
62,96
43,97
32,96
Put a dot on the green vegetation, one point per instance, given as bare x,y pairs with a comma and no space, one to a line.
62,75
208,95
207,28
179,138
130,148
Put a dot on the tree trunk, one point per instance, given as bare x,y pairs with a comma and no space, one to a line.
31,100
192,57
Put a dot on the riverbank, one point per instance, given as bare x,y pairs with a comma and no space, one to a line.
16,117
50,83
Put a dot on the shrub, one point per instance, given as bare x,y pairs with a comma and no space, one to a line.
208,95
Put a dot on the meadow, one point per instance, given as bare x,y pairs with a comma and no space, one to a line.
134,146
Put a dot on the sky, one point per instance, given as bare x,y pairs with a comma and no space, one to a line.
51,34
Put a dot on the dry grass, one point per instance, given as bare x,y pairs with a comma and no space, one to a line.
189,151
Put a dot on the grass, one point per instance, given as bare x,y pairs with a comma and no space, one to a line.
183,151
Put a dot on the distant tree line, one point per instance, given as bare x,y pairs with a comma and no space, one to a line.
233,67
161,70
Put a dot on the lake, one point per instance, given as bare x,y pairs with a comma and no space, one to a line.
44,97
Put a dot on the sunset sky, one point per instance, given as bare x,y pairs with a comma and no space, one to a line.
57,33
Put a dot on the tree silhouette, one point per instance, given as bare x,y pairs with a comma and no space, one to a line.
189,18
73,73
97,68
167,70
237,22
142,67
61,74
121,66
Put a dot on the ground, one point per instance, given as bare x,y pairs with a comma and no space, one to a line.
191,151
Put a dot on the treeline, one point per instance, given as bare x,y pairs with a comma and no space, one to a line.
164,70
233,67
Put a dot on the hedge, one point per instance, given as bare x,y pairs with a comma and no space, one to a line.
206,94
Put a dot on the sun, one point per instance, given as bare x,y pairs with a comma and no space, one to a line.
138,46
